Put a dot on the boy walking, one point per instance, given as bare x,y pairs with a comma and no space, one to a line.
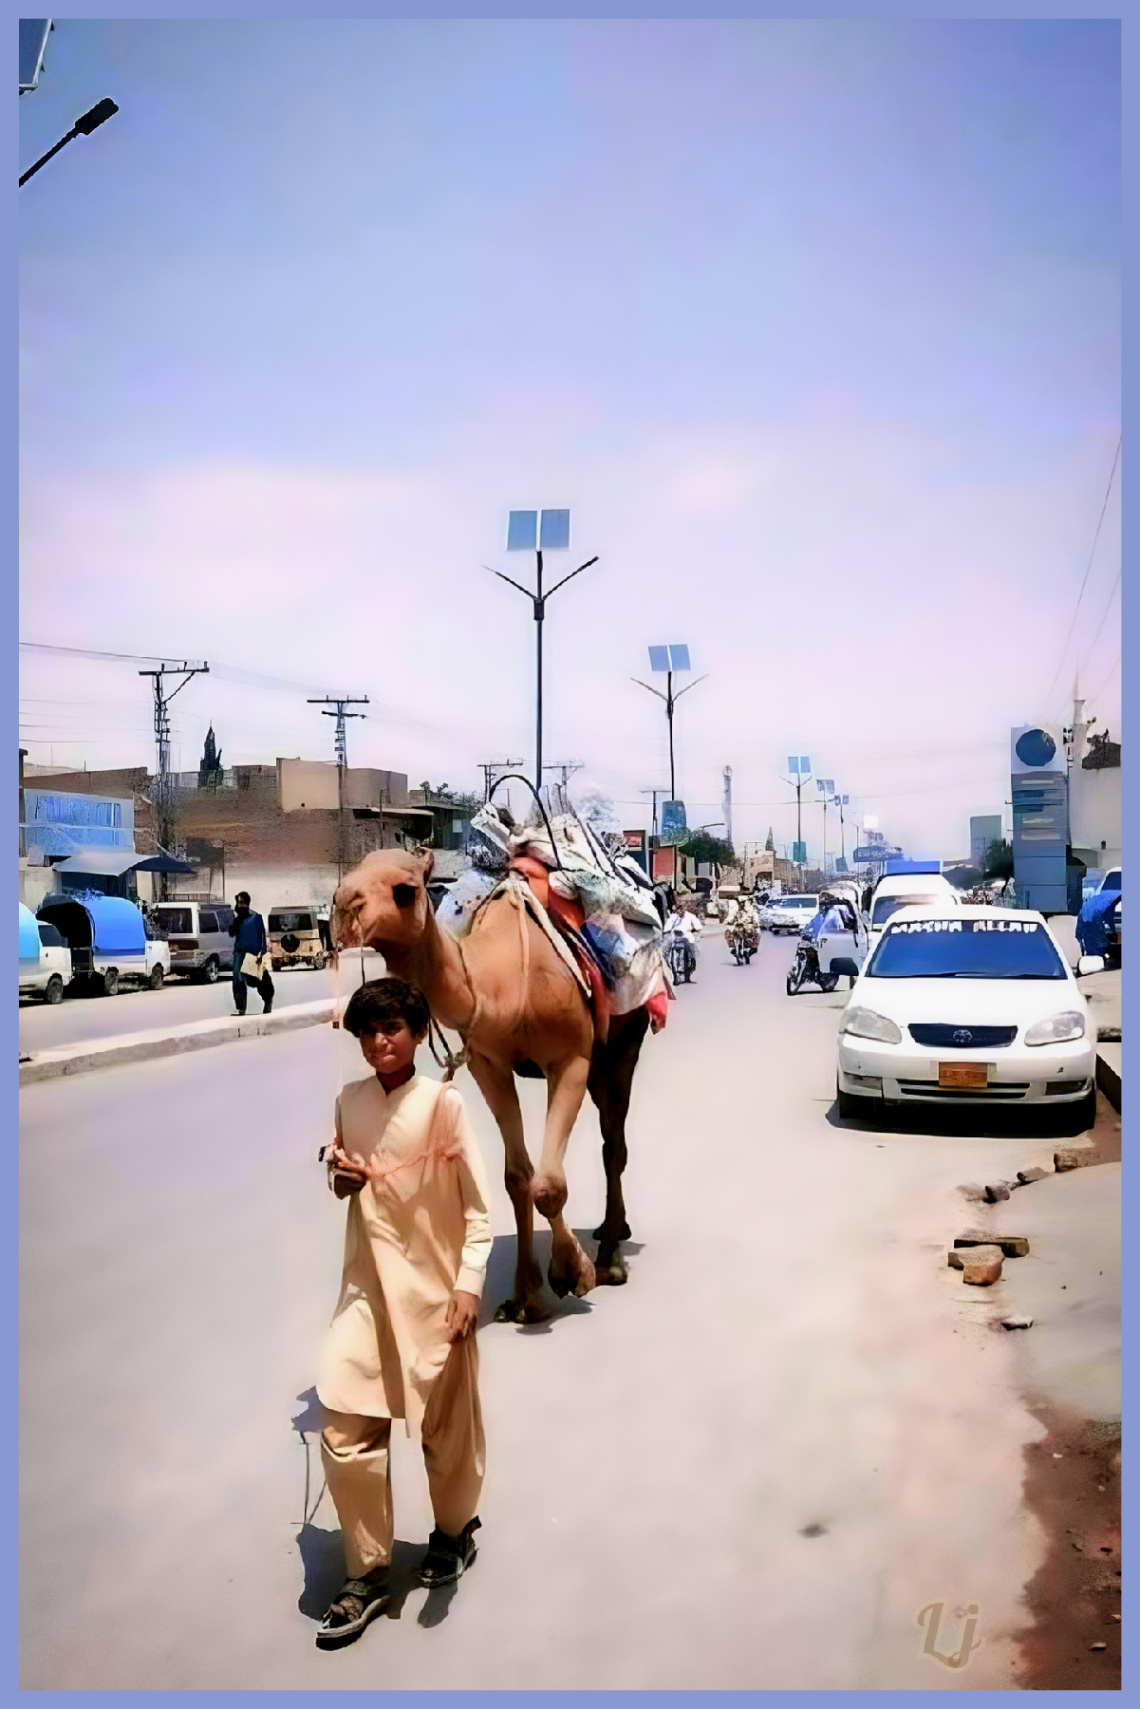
402,1339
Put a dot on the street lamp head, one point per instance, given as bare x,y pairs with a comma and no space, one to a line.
99,114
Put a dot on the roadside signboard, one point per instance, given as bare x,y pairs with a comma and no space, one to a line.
636,843
799,854
673,820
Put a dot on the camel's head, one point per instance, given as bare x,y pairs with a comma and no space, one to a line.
383,902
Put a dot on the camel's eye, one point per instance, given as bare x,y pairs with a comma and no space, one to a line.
403,895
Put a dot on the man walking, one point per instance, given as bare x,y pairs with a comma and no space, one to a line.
251,955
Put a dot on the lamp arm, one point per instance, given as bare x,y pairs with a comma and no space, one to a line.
510,579
649,686
688,686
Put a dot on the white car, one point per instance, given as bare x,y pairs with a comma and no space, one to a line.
789,913
908,890
967,1005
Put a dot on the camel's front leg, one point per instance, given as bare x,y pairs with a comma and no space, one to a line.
497,1085
571,1271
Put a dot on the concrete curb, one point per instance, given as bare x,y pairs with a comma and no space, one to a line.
163,1041
1108,1072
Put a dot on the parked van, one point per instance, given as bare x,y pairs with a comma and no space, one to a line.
45,960
198,934
908,890
107,940
299,936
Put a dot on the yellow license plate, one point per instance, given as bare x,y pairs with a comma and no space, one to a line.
963,1075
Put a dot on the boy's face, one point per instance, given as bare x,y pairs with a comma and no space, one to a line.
391,1048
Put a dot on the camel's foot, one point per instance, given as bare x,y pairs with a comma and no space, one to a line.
531,1309
611,1274
571,1271
624,1235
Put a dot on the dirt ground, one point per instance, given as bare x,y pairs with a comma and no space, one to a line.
1072,1485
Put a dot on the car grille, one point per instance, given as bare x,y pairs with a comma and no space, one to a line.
997,1093
948,1037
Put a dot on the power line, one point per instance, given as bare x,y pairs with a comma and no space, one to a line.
1104,618
1090,699
1088,571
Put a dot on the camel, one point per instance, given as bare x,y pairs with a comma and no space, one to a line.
518,1009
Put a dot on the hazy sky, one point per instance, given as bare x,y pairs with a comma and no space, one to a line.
813,325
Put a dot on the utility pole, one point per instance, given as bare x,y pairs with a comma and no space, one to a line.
340,702
566,767
164,788
666,660
727,804
655,792
524,534
489,768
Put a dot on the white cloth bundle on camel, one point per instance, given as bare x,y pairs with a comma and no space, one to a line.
622,925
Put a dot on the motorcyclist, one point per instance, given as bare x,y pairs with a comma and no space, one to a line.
683,920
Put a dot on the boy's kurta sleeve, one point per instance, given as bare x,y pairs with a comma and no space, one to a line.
476,1206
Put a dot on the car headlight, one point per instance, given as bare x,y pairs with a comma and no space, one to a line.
865,1023
1058,1029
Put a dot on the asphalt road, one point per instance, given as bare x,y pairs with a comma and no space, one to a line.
77,1018
751,1467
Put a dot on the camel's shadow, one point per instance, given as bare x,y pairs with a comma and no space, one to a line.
500,1281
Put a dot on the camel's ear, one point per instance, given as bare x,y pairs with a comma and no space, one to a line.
427,860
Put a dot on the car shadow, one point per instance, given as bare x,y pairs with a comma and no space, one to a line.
967,1122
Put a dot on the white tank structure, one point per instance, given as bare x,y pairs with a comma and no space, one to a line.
727,804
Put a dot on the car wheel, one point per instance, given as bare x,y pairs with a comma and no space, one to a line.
320,962
110,982
210,971
1078,1118
156,978
54,992
851,1108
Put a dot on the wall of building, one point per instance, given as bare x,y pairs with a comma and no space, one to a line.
305,784
1095,825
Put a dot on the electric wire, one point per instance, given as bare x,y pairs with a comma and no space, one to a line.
1088,572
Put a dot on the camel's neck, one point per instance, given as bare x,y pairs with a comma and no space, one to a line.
436,966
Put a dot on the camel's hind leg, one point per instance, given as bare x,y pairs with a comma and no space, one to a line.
611,1081
526,1305
571,1271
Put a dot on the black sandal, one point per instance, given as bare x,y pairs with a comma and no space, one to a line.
357,1602
448,1558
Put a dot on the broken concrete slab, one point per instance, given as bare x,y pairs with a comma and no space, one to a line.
959,1256
981,1274
1011,1245
1026,1176
996,1190
1017,1323
1065,1160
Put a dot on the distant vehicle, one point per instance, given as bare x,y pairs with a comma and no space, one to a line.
106,937
789,913
198,936
1100,925
904,890
967,1006
299,936
45,960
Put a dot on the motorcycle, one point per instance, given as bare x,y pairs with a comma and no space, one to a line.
805,970
681,957
743,941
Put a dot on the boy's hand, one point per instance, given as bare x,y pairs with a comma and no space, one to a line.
351,1166
462,1312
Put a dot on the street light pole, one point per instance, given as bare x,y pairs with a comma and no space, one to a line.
98,115
538,601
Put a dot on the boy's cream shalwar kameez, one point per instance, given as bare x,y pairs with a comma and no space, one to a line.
418,1229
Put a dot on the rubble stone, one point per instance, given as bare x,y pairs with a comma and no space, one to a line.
1025,1176
996,1190
959,1256
1063,1160
980,1274
1012,1245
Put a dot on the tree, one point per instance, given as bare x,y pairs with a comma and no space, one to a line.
699,846
963,877
999,860
770,845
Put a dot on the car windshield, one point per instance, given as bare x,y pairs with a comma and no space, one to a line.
966,949
885,906
798,902
295,922
174,920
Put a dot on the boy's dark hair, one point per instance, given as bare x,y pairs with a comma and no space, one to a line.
242,896
388,999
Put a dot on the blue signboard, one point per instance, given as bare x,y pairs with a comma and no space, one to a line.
672,820
1040,838
799,854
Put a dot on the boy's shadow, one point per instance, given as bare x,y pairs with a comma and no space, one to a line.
322,1552
500,1281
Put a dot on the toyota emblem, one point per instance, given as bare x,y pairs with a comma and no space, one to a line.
963,1036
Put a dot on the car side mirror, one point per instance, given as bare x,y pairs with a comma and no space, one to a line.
844,964
1090,964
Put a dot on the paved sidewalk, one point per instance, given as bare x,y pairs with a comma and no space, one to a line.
170,1041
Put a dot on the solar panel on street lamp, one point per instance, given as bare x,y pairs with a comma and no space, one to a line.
534,531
